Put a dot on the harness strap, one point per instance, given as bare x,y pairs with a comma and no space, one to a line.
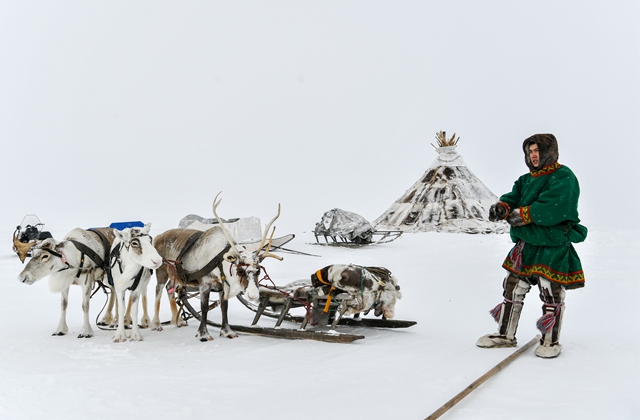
97,259
175,266
323,281
136,280
106,244
61,256
319,275
185,276
85,250
187,246
216,261
114,258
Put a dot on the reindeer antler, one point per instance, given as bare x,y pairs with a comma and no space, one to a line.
216,203
264,238
266,253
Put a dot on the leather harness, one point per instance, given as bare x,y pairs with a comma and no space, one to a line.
101,262
185,276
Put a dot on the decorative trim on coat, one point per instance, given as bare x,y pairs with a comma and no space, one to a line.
568,280
525,213
549,169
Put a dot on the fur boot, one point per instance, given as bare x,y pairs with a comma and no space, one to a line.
507,314
550,323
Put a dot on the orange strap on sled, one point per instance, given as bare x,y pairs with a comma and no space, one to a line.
328,304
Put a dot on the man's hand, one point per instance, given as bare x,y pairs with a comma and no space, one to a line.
499,211
515,218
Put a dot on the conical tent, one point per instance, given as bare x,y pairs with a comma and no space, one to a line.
447,198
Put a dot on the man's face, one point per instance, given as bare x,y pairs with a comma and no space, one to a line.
534,155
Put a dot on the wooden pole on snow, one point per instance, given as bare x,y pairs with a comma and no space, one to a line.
455,400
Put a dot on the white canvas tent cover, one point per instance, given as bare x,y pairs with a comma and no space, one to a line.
244,230
447,198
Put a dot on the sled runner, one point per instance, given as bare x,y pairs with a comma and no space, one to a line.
318,307
376,237
343,228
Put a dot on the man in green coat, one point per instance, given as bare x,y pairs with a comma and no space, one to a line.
542,209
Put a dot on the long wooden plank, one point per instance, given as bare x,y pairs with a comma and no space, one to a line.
455,400
365,322
299,334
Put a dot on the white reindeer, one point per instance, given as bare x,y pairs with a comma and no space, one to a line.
211,262
132,255
71,261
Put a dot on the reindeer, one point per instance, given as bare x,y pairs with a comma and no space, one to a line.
132,255
65,264
209,260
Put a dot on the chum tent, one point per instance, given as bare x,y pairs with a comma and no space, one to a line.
447,198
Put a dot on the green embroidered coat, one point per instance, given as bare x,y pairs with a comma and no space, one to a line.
548,202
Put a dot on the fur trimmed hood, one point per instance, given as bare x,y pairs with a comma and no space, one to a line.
548,147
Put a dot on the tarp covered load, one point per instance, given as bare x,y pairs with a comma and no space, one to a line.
346,225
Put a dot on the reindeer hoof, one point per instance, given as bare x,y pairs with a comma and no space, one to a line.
58,334
204,338
85,336
228,334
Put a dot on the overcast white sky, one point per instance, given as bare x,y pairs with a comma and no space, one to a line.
127,110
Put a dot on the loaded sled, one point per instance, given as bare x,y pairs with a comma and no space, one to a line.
319,307
343,228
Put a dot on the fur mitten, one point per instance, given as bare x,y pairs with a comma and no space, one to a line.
499,211
515,218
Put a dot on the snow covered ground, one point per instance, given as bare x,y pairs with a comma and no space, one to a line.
449,282
128,110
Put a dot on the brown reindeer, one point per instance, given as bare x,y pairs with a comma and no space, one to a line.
211,261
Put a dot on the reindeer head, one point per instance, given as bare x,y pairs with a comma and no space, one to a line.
137,244
47,257
247,264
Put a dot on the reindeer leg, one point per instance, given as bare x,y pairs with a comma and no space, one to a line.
127,314
203,333
161,280
155,322
225,329
87,331
145,321
135,330
62,328
120,334
175,319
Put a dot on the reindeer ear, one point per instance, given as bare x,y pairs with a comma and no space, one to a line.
49,243
230,258
146,228
117,233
